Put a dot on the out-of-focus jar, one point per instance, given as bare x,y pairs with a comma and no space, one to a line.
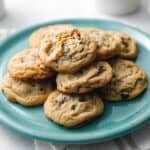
117,7
2,9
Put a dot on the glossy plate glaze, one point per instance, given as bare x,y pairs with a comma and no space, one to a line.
119,118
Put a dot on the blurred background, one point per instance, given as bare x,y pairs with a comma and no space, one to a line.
23,13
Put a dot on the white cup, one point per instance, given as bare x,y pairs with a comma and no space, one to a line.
2,9
117,7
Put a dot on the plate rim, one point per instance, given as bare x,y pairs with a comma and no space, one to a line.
6,120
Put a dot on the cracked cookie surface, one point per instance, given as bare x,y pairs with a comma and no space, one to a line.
94,76
27,93
38,35
68,52
107,44
128,81
128,47
72,110
27,65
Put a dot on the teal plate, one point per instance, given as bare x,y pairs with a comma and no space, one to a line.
119,118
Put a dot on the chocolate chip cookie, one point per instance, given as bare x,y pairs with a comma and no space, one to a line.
68,52
107,44
27,93
128,81
94,76
128,47
37,36
72,110
27,65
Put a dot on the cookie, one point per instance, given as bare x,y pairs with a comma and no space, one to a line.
27,93
128,47
72,110
107,43
128,81
94,33
68,52
27,65
37,36
94,76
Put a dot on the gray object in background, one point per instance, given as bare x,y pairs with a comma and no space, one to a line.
117,7
2,9
146,4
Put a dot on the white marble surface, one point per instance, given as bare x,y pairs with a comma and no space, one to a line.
20,14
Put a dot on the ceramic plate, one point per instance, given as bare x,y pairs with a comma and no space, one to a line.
119,118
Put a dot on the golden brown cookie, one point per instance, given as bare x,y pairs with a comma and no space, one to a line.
94,76
72,110
27,93
128,47
107,44
38,35
27,65
68,52
94,33
128,81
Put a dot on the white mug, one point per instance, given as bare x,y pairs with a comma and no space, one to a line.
117,7
2,9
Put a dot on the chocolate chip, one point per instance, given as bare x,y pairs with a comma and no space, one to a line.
101,69
41,89
60,103
64,99
66,88
125,42
32,84
87,108
114,75
73,107
82,98
124,94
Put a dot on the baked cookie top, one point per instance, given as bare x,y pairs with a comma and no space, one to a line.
38,35
28,93
72,110
96,75
95,34
128,47
67,52
128,81
107,44
27,65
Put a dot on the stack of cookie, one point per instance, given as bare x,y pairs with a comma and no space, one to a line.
68,69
